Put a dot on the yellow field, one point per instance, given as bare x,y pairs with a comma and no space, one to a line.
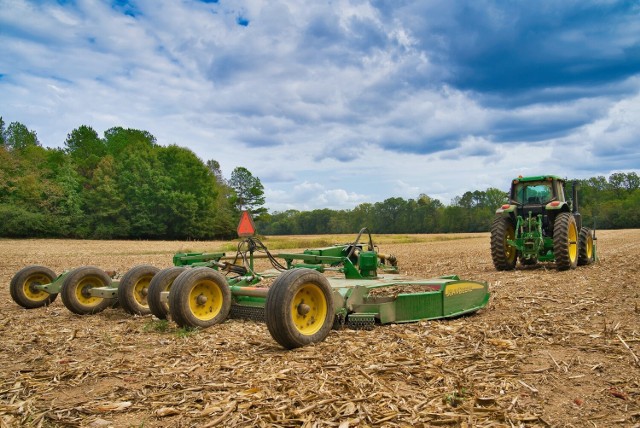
551,349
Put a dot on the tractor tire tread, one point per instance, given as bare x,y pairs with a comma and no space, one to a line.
16,287
561,246
126,289
278,308
68,290
179,307
162,281
585,241
501,259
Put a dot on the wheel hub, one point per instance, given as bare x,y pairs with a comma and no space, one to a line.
86,291
144,292
33,287
201,299
303,309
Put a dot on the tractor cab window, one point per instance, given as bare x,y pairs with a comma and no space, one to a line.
560,190
533,193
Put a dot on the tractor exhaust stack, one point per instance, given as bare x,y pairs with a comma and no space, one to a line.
575,207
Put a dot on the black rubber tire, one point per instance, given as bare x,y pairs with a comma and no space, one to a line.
162,282
504,256
81,279
134,289
192,285
586,253
22,291
565,241
289,287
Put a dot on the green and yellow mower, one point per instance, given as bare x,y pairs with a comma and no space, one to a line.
301,298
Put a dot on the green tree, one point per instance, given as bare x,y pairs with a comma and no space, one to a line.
85,149
2,131
19,137
361,216
495,198
214,167
104,205
28,192
192,194
279,223
249,192
429,209
9,165
118,139
143,185
388,215
67,202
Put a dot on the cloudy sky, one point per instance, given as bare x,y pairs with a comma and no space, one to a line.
336,103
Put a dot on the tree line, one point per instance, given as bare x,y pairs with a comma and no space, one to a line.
612,203
124,185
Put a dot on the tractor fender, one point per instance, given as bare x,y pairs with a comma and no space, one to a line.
557,206
506,209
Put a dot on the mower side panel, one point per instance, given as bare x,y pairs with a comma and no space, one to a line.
448,297
464,297
418,306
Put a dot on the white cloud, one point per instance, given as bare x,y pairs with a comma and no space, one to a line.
310,196
330,105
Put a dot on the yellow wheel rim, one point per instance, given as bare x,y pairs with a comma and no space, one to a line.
31,292
205,300
83,290
509,251
141,290
572,238
309,309
589,247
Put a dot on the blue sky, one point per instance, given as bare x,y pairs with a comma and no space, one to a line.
336,103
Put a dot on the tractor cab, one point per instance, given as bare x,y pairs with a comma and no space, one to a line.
531,195
537,190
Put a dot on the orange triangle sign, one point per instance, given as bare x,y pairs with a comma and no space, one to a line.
246,227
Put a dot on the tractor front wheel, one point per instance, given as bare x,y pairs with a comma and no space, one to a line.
162,281
299,308
586,255
565,241
23,287
504,255
199,297
133,290
76,290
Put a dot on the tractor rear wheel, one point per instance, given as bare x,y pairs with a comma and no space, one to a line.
162,281
503,254
133,290
586,255
23,287
565,241
199,297
76,290
299,308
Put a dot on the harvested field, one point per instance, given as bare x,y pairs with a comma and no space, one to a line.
552,349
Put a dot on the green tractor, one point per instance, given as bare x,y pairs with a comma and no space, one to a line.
540,225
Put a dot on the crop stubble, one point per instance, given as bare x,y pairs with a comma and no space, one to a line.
551,349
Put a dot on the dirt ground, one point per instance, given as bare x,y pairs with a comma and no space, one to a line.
551,349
